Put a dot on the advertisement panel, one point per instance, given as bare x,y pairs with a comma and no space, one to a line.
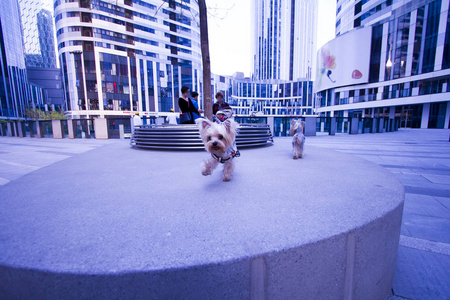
344,60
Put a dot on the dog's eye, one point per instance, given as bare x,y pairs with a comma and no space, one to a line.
220,137
209,138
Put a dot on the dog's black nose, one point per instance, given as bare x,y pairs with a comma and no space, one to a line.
215,144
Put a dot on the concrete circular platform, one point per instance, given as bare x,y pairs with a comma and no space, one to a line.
118,222
187,137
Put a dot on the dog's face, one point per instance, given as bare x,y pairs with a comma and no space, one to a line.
217,137
296,126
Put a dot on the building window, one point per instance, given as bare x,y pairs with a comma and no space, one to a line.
389,51
401,46
418,41
437,115
429,53
375,53
446,58
358,7
357,22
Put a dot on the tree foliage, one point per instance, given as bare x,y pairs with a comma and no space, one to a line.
38,114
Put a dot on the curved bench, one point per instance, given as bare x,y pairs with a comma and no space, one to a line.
116,222
186,137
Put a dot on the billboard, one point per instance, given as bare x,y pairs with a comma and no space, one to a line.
344,60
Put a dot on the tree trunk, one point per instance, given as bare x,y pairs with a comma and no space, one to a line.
207,98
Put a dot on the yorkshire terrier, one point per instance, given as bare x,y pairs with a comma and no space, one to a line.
219,140
298,142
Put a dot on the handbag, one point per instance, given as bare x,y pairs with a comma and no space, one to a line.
186,117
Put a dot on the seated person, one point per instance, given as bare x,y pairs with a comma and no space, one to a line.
220,104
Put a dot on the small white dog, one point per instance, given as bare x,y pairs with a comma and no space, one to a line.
298,142
219,140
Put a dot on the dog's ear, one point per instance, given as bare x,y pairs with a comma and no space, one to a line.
293,128
228,125
203,124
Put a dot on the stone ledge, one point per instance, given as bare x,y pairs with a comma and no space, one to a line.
117,222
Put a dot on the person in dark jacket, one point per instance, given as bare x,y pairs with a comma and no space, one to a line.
220,104
186,105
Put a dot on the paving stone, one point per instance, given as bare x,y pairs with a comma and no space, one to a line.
435,190
444,201
4,181
424,205
442,179
421,275
429,228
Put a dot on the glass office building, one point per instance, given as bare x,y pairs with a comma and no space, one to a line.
16,93
290,99
38,33
39,46
402,70
284,39
125,56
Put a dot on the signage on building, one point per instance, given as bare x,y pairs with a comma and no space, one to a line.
344,60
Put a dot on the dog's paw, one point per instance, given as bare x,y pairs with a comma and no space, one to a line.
300,156
206,172
295,157
226,177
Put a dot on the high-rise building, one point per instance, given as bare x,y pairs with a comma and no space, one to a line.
389,61
284,38
16,93
39,46
127,55
353,14
45,25
38,33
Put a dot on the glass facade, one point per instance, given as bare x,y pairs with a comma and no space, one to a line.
280,99
418,40
408,67
16,93
38,33
125,57
284,39
446,57
437,115
375,53
431,35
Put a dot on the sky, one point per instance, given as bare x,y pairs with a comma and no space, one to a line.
229,25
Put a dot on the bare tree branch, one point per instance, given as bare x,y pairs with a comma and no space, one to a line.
164,1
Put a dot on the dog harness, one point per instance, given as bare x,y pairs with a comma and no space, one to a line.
223,160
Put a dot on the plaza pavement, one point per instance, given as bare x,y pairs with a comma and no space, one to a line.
20,156
419,158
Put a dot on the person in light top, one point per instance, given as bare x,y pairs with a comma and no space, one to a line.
137,121
172,117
